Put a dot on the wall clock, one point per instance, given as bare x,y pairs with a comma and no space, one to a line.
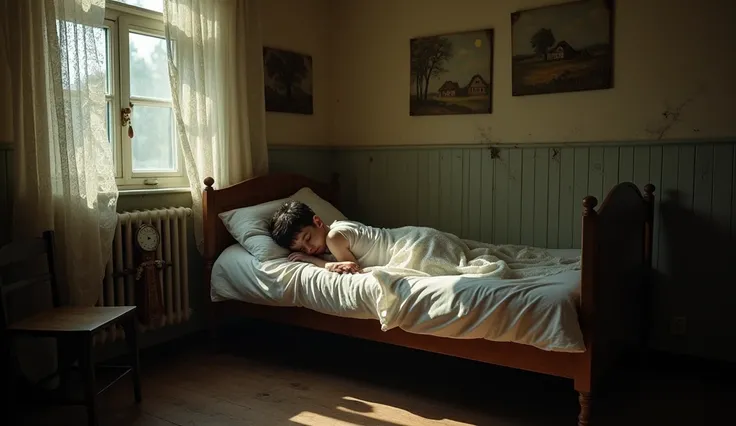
148,284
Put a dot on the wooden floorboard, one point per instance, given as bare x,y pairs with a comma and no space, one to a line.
275,376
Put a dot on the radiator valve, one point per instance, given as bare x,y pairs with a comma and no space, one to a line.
159,264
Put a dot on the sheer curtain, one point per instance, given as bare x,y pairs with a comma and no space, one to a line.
64,173
215,68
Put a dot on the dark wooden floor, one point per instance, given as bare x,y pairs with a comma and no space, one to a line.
276,376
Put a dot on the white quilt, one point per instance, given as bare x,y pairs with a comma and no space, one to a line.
423,251
415,251
538,310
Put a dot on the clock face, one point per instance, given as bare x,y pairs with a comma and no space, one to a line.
147,238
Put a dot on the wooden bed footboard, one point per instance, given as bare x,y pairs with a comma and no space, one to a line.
616,268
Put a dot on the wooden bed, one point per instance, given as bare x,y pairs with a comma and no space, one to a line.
616,263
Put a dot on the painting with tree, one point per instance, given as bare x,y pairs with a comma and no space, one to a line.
288,81
562,48
452,74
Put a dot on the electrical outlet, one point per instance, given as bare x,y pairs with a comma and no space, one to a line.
678,326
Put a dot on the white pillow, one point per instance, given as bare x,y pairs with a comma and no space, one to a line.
264,248
250,225
322,208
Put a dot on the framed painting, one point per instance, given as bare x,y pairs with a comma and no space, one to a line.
452,74
562,48
288,81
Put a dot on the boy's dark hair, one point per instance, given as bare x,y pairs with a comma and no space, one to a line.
289,220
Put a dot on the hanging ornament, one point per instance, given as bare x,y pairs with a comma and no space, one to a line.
127,119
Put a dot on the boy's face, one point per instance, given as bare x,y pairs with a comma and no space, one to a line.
311,239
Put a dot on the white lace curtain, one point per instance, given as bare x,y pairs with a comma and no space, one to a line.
64,175
215,67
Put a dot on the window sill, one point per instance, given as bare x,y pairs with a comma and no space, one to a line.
153,191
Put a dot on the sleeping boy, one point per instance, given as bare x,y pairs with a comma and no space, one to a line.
294,226
409,250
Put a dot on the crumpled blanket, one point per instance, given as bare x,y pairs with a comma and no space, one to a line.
428,252
392,254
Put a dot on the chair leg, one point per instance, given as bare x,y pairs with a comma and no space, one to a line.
90,383
65,355
131,338
8,405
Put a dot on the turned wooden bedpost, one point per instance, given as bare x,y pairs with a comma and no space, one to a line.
584,379
649,230
209,233
649,275
584,416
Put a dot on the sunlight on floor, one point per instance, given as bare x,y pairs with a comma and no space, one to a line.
306,418
356,410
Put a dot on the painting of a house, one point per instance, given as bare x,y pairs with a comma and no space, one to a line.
477,86
562,51
451,74
562,48
288,81
449,89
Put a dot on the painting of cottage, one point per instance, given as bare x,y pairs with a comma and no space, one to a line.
562,48
288,81
451,74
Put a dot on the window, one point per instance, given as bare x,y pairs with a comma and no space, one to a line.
155,5
138,77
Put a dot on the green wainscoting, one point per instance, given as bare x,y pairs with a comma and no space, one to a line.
533,195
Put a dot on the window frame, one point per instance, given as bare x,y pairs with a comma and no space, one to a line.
120,20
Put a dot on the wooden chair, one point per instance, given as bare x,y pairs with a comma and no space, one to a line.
72,327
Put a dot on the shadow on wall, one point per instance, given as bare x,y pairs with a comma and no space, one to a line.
696,280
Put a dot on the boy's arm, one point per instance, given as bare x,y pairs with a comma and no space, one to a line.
340,248
303,257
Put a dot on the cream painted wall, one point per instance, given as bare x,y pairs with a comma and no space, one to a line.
666,52
303,26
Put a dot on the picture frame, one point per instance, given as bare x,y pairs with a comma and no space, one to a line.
288,81
452,74
567,47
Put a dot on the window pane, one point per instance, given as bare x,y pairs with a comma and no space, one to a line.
86,45
149,69
153,142
157,5
108,65
109,122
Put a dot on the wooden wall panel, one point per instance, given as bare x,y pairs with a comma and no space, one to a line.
519,195
522,195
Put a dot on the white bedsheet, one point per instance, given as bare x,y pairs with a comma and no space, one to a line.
540,312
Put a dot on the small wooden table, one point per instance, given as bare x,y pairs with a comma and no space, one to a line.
74,329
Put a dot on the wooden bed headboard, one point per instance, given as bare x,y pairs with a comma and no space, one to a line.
250,192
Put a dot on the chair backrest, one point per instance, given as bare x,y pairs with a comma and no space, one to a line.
19,269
